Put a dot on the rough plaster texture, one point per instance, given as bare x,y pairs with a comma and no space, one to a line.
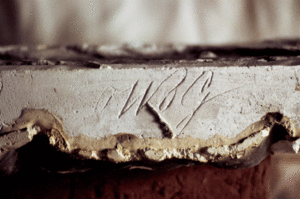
200,102
150,103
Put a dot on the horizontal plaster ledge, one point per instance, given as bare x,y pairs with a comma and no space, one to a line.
145,113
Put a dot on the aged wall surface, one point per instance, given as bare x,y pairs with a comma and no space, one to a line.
120,111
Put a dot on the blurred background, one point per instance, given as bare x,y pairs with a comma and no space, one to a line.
147,21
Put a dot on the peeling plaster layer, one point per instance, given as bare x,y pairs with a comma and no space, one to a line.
128,148
227,116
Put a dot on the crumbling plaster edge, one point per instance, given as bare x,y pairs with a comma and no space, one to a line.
236,155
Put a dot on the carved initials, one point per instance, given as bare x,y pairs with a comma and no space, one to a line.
164,95
158,93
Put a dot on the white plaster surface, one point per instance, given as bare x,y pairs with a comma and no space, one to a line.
193,101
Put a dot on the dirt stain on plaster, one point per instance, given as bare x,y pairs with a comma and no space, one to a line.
297,82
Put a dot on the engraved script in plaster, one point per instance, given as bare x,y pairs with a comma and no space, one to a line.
179,90
177,99
163,95
104,100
